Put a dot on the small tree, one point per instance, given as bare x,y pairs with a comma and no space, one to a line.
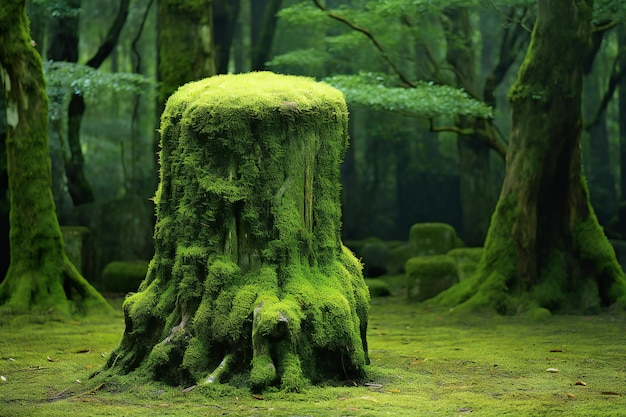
545,247
249,274
40,276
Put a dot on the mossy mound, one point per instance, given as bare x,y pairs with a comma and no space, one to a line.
123,277
378,287
250,278
433,239
467,260
427,276
375,258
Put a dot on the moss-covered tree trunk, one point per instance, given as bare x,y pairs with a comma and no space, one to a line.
249,275
40,276
544,247
186,47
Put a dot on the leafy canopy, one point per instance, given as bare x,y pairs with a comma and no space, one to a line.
66,78
425,100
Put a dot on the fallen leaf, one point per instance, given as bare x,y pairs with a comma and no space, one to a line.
571,396
610,393
553,370
11,360
394,390
583,383
51,360
465,410
557,350
84,351
258,397
3,378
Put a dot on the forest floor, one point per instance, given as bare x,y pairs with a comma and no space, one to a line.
423,362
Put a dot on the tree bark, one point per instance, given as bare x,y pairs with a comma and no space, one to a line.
477,190
40,277
263,34
622,123
545,249
249,275
79,188
4,187
225,15
186,45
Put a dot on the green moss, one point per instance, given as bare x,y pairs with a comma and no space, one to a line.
378,287
427,276
433,238
248,261
185,45
538,315
123,277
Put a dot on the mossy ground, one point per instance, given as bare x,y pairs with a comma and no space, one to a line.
424,362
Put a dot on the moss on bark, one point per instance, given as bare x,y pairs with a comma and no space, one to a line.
40,277
249,276
545,248
186,51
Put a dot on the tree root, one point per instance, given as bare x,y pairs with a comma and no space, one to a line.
222,368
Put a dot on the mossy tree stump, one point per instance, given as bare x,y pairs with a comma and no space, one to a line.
249,276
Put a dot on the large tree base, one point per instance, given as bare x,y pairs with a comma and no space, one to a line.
249,277
54,291
580,275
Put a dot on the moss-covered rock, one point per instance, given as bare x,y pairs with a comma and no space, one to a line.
427,276
378,287
250,279
467,260
399,254
375,257
433,239
123,276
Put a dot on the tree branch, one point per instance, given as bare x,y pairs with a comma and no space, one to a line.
111,39
370,36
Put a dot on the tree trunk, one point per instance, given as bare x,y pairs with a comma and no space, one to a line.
263,34
621,33
40,277
249,274
185,39
598,168
79,188
225,15
4,186
545,248
477,191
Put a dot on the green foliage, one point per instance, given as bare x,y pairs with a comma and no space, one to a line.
57,9
66,78
608,11
425,100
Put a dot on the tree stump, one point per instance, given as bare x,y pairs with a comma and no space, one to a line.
249,276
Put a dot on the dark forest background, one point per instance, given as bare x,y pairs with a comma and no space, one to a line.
419,152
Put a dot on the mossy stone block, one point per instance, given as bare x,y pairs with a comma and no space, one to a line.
398,255
433,239
375,257
124,276
427,276
378,287
467,260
